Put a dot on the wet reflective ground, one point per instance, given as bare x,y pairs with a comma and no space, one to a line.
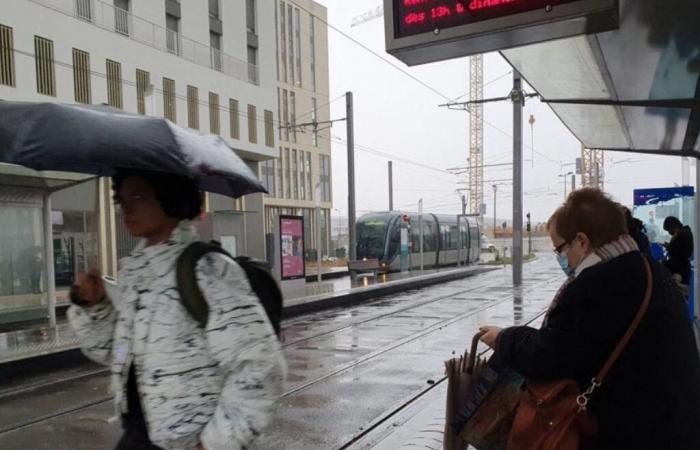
349,369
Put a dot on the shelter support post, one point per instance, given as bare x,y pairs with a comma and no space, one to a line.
696,246
48,260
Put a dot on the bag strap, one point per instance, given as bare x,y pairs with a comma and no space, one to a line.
185,274
596,382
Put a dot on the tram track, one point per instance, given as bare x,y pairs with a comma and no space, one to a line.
99,400
408,402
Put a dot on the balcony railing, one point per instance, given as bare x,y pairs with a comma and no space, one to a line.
121,21
115,19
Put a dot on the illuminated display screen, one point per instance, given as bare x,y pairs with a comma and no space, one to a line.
419,16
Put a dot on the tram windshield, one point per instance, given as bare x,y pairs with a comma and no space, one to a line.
371,236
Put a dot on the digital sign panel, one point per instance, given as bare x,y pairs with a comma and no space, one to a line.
419,16
422,31
292,247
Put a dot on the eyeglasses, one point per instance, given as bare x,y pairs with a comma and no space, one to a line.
558,248
131,200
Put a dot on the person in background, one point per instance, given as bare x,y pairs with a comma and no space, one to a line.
680,249
650,399
176,385
637,231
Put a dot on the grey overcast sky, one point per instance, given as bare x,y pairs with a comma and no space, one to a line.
398,116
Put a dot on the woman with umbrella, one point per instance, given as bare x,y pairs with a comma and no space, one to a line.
178,386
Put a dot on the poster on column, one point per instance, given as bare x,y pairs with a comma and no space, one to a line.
292,247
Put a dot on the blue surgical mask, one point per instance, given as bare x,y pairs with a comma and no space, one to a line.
564,264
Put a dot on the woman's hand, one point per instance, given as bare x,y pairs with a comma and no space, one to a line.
490,335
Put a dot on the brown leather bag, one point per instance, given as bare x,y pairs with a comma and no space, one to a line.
553,415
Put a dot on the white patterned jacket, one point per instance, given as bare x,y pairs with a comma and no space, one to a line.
216,386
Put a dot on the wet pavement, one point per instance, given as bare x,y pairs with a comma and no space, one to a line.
40,340
353,372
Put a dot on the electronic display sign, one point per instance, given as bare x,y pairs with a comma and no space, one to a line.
420,31
292,247
419,16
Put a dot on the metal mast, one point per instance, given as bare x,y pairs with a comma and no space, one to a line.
476,134
592,170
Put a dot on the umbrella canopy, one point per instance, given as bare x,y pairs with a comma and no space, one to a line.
100,140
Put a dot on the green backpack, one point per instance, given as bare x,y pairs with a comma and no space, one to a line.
259,275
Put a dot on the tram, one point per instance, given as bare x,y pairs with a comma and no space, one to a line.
447,240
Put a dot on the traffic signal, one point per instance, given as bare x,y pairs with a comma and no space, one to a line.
528,222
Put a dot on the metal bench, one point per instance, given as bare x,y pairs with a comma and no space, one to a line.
363,265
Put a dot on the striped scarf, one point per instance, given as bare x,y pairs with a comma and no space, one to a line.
623,245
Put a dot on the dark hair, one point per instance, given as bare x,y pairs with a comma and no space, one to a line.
179,196
672,222
591,212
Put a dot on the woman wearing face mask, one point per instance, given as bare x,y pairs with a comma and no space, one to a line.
650,399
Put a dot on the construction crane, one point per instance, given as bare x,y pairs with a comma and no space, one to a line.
476,135
367,16
476,120
592,168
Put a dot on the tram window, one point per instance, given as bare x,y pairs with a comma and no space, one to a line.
394,241
454,237
371,237
430,236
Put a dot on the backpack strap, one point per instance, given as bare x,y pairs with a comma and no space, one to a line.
186,277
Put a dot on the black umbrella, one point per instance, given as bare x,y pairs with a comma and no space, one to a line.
99,140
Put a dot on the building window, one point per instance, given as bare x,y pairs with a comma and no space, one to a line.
279,114
290,37
280,174
252,64
121,16
312,51
325,177
285,113
81,76
169,102
7,56
143,79
295,175
234,119
297,37
172,34
215,42
214,119
309,187
214,10
267,176
314,118
193,107
283,40
302,176
250,16
269,129
83,9
45,71
252,124
277,45
288,174
293,101
114,84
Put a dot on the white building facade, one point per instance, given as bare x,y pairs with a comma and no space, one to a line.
299,181
208,65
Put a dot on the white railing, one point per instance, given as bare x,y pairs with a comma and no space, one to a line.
121,21
172,41
115,19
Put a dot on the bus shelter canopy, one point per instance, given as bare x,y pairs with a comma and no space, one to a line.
634,89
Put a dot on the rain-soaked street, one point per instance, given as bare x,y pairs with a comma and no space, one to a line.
351,370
